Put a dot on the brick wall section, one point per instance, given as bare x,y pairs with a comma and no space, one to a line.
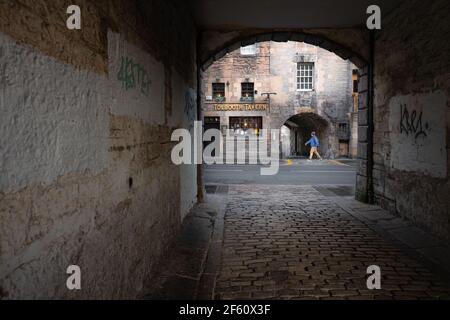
411,71
86,175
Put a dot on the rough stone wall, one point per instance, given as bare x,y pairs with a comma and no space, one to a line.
86,119
233,69
347,43
412,114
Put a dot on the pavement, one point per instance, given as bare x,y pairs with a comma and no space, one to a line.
299,241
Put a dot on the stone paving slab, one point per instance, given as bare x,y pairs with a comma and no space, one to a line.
439,255
414,237
394,223
291,242
419,241
179,273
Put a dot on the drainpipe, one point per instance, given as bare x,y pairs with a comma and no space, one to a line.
200,187
370,113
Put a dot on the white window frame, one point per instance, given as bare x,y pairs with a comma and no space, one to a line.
305,67
249,50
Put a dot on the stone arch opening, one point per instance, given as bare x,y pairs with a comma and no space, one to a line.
215,48
358,99
296,131
207,57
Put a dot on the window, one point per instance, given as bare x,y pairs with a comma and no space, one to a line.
246,125
249,50
343,130
247,90
218,91
355,86
355,81
305,76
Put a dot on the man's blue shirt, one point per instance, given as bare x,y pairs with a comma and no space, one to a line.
314,142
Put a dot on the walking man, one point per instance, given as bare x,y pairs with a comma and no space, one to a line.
314,142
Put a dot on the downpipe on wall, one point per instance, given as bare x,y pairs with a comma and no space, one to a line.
370,117
200,186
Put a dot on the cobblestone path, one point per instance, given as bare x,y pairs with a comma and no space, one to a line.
291,242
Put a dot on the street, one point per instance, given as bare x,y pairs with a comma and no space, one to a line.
299,172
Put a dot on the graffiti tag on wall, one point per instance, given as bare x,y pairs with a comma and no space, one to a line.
411,123
417,133
133,75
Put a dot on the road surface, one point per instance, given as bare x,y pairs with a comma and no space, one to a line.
295,172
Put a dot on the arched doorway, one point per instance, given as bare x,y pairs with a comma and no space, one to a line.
214,49
296,131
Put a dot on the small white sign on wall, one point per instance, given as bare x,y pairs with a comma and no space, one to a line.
417,125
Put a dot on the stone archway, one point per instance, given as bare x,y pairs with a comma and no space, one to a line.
348,44
299,128
224,46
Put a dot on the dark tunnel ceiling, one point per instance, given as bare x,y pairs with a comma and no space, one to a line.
233,14
308,119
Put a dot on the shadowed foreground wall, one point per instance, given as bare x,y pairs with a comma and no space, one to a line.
85,124
412,114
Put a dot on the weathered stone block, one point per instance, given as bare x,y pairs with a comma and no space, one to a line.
362,133
362,118
362,101
363,84
362,167
361,188
362,150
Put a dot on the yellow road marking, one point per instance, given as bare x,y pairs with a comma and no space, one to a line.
338,163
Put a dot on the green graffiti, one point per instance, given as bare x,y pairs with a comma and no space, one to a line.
133,75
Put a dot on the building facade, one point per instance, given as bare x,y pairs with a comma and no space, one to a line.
292,86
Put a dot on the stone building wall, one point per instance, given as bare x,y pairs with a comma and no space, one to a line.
273,69
412,114
233,69
86,119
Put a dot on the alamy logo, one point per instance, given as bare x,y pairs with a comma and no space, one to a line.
74,20
374,280
74,280
374,20
189,149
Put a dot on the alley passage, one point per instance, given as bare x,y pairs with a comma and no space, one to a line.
293,242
